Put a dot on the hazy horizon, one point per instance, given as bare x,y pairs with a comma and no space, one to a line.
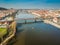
30,4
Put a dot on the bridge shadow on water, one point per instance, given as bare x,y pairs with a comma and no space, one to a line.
19,30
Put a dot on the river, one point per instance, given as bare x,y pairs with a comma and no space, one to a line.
39,33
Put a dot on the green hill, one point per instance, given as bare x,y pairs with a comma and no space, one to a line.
1,8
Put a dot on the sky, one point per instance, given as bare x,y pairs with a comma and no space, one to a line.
30,4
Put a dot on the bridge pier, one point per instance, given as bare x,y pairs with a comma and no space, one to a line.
25,21
35,20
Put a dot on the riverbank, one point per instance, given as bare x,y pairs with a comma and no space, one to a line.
49,22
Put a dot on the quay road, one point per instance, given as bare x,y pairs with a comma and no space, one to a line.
49,22
37,34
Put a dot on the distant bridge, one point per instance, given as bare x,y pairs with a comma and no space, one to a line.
25,19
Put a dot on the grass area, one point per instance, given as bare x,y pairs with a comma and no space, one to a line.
3,31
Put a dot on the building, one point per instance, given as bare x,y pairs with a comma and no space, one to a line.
56,20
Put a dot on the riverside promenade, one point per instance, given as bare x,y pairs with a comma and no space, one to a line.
54,24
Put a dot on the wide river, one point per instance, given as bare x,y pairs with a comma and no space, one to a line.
39,33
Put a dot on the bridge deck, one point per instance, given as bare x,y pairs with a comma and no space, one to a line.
26,18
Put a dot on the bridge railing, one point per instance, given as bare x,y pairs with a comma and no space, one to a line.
26,18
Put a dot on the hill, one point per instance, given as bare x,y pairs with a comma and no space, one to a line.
1,8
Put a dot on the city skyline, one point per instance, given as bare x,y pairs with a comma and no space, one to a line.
30,4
